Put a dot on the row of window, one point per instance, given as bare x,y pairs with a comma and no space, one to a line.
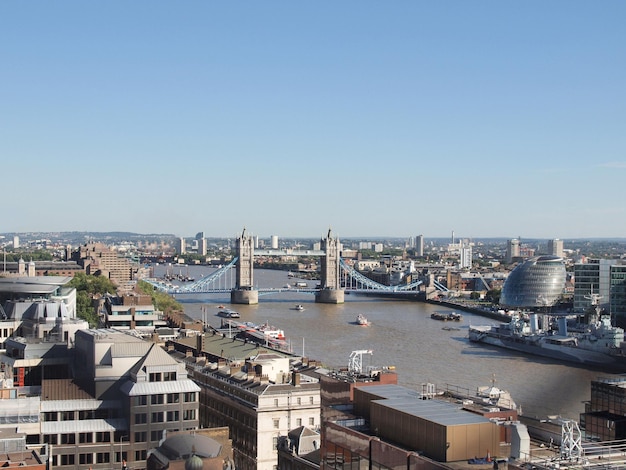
298,401
50,416
162,376
298,422
163,416
83,438
160,399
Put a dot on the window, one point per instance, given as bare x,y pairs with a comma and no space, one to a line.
141,454
140,400
311,400
275,401
189,415
311,421
190,397
67,459
51,439
299,422
275,442
169,376
67,416
68,438
50,416
84,459
276,423
103,436
156,399
155,435
173,415
173,397
141,418
89,414
157,417
155,377
85,437
103,457
141,436
299,400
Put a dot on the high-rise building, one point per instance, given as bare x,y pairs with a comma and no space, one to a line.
555,247
274,242
419,245
16,242
593,277
618,294
465,256
202,246
179,245
512,250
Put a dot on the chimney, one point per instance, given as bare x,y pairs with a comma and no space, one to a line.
199,343
295,378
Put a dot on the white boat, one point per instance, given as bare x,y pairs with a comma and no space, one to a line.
361,320
228,313
299,307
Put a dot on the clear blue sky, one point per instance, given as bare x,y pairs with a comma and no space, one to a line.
489,118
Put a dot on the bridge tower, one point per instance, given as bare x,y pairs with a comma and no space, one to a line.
331,291
244,292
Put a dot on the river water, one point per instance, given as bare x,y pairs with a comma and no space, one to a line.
403,335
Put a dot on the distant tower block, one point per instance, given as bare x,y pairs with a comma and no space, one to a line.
244,292
274,242
331,292
419,245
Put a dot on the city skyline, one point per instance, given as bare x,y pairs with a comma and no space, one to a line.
487,119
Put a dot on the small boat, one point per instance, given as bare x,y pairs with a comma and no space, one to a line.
228,313
361,320
446,316
299,307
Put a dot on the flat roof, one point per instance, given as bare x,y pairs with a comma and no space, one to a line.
33,285
405,400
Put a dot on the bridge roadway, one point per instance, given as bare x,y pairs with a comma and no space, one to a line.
289,252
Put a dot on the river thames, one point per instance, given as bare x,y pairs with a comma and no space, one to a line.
403,335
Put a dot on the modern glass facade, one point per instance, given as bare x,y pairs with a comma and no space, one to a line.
618,294
538,282
592,277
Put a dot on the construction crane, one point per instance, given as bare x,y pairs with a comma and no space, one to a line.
355,362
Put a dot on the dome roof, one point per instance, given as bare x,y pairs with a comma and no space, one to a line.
193,463
538,282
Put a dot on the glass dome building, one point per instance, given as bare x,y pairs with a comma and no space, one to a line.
537,282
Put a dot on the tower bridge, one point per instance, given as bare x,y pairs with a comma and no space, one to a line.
336,276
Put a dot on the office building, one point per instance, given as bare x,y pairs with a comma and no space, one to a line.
592,277
617,296
179,246
555,247
16,242
538,282
512,250
257,393
99,260
202,246
419,245
604,418
274,242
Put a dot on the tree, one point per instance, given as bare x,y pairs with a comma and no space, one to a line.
88,288
161,301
